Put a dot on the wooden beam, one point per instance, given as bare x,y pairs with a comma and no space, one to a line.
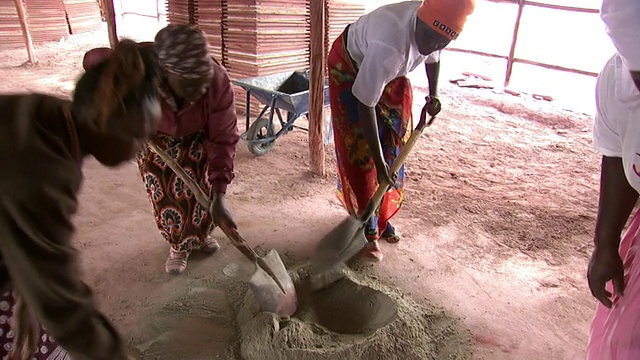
26,33
555,67
316,88
110,14
475,52
514,41
524,61
561,7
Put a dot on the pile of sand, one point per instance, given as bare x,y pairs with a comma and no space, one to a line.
356,318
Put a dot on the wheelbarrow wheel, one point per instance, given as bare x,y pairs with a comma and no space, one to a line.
259,130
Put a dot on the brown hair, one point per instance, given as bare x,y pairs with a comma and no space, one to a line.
122,73
120,80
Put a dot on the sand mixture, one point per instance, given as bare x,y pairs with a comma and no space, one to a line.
357,317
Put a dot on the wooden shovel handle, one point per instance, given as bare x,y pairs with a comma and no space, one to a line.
376,199
204,200
239,242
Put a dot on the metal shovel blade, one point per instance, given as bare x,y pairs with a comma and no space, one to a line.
339,245
272,286
270,283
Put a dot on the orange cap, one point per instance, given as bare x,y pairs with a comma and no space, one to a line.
446,16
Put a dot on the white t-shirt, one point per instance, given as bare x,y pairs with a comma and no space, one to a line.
382,44
617,124
622,18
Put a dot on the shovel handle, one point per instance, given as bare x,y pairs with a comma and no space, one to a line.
200,195
239,242
204,200
383,188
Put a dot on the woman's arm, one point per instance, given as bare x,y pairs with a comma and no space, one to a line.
36,231
369,123
222,134
635,75
222,140
617,199
433,74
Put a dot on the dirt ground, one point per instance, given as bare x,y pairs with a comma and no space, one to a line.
501,198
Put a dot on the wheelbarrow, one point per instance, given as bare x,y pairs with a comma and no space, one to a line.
284,92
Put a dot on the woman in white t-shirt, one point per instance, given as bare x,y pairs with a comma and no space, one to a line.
371,98
614,271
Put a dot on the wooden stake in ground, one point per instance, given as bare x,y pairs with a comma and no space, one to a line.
514,41
110,14
316,87
22,15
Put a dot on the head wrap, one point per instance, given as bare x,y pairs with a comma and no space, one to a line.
446,16
622,18
182,50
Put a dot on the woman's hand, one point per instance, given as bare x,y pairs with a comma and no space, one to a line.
220,213
433,105
605,265
384,175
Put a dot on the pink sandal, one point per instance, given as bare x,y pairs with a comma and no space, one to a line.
176,262
210,245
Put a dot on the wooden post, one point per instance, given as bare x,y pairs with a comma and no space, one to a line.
514,40
316,87
22,15
110,14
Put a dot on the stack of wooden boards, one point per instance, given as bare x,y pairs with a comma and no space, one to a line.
339,14
83,15
264,38
261,37
48,20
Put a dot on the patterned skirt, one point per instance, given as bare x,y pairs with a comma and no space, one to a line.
182,221
47,347
358,179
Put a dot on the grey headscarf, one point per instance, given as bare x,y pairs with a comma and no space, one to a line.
182,50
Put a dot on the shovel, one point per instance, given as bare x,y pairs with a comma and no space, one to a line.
347,239
270,283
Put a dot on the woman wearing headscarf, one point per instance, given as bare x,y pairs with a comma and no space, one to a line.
199,130
614,268
44,140
371,98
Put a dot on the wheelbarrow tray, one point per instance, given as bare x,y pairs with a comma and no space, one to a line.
290,90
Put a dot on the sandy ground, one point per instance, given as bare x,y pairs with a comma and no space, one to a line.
501,199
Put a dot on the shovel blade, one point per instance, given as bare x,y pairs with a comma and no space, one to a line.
339,245
272,286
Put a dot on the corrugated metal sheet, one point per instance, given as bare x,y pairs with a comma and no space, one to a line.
83,15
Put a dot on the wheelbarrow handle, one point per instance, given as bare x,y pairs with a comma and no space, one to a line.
376,199
204,200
